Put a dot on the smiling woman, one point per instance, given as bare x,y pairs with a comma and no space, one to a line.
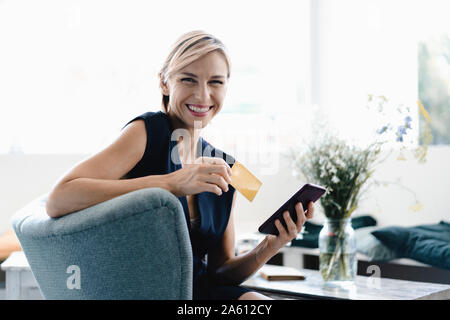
150,153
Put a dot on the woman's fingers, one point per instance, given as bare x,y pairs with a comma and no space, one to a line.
301,218
291,229
210,187
214,161
217,180
206,174
310,212
219,169
291,226
281,231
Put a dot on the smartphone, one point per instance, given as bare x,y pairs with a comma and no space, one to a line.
309,192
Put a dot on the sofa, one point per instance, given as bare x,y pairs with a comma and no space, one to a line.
134,246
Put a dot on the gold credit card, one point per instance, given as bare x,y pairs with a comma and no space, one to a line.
244,181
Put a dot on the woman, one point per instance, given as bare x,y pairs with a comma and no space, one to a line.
151,152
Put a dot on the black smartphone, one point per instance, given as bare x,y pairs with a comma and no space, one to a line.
309,192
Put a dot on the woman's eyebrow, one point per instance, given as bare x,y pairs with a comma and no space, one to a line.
194,76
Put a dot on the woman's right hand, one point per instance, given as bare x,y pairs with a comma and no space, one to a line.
208,174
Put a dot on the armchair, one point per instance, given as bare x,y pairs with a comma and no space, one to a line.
135,246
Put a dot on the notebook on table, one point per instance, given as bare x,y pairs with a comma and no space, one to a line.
273,272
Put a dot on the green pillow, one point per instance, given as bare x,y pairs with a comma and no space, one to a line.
429,244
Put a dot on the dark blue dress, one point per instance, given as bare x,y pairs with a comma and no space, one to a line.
214,210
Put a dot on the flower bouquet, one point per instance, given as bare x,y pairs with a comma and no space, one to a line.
345,170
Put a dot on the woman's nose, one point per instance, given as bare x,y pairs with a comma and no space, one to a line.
203,93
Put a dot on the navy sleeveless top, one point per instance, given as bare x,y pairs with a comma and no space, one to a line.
214,210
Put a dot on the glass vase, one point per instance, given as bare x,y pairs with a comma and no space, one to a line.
337,246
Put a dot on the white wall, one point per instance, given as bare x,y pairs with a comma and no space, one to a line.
24,177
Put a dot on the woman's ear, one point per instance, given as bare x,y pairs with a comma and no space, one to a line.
164,87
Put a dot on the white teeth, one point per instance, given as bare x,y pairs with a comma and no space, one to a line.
199,110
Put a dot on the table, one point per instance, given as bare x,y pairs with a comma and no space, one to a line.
364,288
20,281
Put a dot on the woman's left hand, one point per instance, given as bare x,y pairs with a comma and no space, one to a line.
286,235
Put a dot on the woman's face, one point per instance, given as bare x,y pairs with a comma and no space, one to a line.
197,92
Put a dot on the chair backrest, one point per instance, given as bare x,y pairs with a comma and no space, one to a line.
135,246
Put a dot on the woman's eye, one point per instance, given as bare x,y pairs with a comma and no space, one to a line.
192,81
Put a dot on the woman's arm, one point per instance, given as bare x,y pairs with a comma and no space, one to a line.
236,269
98,178
228,269
81,193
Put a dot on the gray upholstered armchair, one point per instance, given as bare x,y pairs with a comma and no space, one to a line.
135,246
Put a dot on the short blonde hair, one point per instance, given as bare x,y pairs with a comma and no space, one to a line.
188,48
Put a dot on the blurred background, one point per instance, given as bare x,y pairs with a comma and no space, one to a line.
73,73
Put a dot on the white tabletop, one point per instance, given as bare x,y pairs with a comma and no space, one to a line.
364,288
16,261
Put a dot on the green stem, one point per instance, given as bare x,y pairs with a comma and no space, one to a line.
336,253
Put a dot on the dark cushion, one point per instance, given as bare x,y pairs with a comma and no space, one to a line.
429,244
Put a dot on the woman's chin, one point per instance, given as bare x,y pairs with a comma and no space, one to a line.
199,123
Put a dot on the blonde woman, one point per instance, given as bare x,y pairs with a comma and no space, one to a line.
164,149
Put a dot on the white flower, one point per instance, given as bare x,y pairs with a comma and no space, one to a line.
333,170
321,160
335,180
340,163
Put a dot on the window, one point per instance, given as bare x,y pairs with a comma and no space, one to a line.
73,73
371,47
363,49
434,86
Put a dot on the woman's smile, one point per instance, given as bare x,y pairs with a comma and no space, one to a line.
199,110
